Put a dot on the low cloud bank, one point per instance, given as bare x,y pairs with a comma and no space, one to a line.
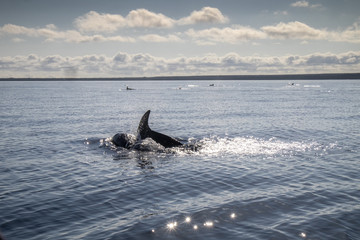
134,65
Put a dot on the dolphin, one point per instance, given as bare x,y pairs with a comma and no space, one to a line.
144,131
129,141
123,140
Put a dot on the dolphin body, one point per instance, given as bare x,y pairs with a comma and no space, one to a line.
129,141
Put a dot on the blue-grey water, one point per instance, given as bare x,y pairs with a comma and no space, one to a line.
276,161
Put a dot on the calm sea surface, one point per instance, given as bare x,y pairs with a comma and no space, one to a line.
276,161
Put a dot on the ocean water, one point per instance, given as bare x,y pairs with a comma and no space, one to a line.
276,161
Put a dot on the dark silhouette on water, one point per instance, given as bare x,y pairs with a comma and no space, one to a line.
128,141
144,131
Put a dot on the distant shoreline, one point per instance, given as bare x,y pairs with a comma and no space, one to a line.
321,76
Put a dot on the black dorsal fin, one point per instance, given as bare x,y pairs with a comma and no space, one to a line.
144,131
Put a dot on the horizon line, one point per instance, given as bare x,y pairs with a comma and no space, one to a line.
307,76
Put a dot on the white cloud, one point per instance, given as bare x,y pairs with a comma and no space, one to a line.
102,22
351,34
205,15
327,62
281,31
300,4
50,33
12,29
305,4
227,34
143,18
293,30
159,38
299,30
97,22
126,65
211,36
146,19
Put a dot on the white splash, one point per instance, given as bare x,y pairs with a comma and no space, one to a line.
246,146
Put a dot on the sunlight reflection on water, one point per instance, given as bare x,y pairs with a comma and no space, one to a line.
245,146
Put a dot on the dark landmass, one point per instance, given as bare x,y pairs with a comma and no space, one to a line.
322,76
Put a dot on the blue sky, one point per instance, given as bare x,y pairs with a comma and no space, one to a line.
121,38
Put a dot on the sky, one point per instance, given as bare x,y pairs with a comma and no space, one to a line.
144,38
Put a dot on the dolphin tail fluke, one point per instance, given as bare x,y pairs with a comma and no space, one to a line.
144,131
